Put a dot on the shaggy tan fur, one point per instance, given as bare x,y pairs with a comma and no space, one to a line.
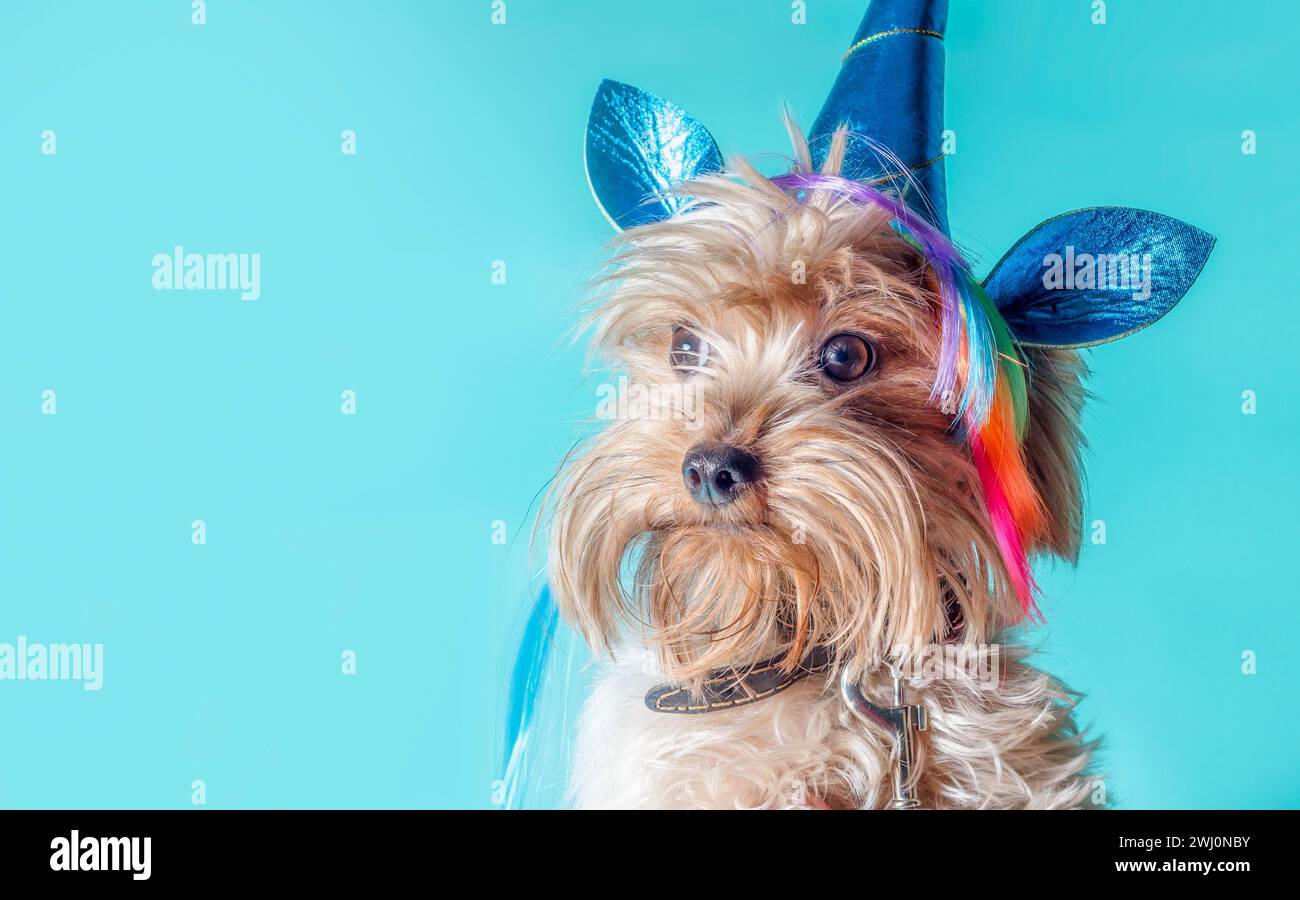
1013,747
866,530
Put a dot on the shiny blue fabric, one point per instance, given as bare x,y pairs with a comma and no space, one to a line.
1078,314
890,91
638,147
525,684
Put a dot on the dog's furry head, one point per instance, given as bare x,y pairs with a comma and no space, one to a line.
859,520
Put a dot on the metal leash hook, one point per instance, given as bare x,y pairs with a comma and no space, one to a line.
901,719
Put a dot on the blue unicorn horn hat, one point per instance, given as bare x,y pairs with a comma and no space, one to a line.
640,149
889,95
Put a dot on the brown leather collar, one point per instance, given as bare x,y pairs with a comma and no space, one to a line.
730,687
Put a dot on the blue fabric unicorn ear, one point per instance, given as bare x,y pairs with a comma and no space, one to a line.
1096,275
639,146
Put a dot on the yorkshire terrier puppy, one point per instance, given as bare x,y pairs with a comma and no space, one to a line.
805,588
818,497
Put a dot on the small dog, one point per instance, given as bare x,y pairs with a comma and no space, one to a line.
807,585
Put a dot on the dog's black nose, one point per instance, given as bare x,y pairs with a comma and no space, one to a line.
715,473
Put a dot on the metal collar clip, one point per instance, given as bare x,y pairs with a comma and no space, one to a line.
902,720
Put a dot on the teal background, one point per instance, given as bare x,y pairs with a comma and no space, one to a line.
374,532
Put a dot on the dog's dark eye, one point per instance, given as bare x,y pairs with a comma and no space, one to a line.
688,350
847,357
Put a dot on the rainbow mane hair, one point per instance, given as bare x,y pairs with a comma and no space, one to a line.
980,375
